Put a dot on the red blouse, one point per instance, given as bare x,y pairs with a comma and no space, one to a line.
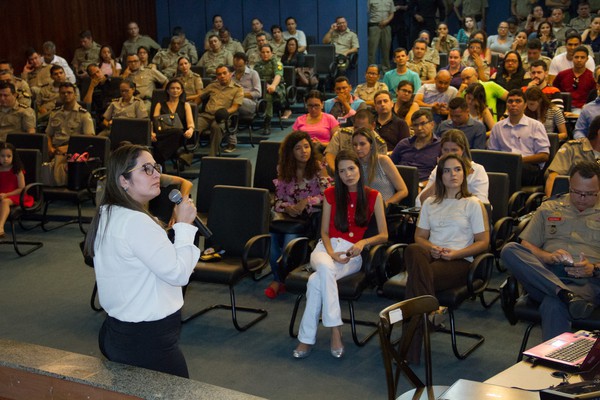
355,233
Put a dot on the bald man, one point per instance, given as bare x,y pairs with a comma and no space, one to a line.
437,95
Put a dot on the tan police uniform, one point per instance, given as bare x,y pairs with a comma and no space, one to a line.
188,48
253,57
342,140
233,46
366,93
19,118
166,61
424,68
278,49
146,80
48,98
192,82
84,57
210,60
131,46
23,91
64,123
344,41
444,46
250,40
134,108
571,153
220,97
38,78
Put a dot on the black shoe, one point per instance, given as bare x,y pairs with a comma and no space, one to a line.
229,149
578,307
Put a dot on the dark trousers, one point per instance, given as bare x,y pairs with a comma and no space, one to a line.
425,276
153,345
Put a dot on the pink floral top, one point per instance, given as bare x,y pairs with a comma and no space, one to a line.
289,193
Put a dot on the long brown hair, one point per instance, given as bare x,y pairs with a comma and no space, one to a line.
120,163
342,195
286,168
440,188
457,137
373,157
534,93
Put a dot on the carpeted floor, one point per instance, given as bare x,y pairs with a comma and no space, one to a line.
44,299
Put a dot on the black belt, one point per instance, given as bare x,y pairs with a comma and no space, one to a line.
370,24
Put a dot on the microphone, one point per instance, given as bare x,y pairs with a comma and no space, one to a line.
176,197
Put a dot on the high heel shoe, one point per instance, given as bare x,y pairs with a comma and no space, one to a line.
337,353
299,354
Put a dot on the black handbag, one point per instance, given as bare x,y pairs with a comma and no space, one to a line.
78,172
166,122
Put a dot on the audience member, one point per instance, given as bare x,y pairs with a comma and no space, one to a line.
278,43
192,82
88,53
320,125
344,40
478,110
388,125
564,61
347,211
523,135
381,13
475,8
583,19
578,80
539,78
521,10
444,42
107,62
143,55
418,64
493,91
250,41
216,29
558,26
534,53
474,57
437,95
23,92
499,44
126,106
535,19
50,58
401,73
254,52
588,112
48,98
405,105
12,183
249,80
557,258
100,92
510,75
344,105
545,34
14,117
467,28
270,70
454,141
573,152
473,130
166,59
454,68
541,109
214,56
451,229
35,73
135,41
299,186
422,149
431,54
378,171
145,79
342,138
366,91
591,36
225,98
292,32
520,44
188,48
229,44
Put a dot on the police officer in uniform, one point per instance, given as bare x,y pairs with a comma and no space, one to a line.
48,98
14,117
214,56
192,82
225,97
558,259
166,59
146,80
22,88
572,152
270,69
88,53
35,73
126,106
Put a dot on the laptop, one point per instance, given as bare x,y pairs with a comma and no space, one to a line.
577,351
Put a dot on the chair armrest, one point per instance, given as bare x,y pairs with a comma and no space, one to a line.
295,254
516,203
372,259
291,93
258,240
533,202
385,271
502,233
333,69
36,191
231,123
480,268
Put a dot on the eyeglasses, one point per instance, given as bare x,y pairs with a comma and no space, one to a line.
148,168
583,195
406,91
420,125
575,82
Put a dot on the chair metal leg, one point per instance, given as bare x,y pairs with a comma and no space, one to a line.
353,322
294,315
453,332
93,299
488,304
16,243
262,313
525,340
78,220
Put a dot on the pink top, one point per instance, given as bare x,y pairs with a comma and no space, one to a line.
290,193
107,68
320,131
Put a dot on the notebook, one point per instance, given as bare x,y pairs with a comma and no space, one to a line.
579,351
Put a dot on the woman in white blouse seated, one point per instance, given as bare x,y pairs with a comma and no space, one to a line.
139,271
452,228
454,141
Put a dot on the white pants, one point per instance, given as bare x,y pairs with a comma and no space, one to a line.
322,290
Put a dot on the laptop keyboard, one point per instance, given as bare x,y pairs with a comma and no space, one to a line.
573,351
